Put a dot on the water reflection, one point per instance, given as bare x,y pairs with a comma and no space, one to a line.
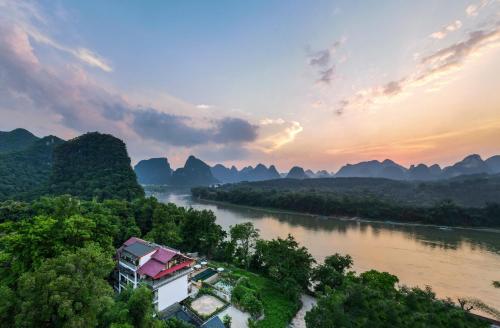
433,237
455,262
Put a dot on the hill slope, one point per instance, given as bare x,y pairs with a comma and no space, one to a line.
27,171
16,140
194,173
153,171
94,165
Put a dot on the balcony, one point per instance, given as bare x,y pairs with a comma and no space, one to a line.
126,264
154,284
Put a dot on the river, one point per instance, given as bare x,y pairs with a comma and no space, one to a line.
454,262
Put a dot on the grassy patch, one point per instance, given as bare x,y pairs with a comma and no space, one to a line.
278,309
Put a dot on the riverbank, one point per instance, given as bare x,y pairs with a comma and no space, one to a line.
449,260
343,218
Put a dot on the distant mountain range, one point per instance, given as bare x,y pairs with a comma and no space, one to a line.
196,172
472,164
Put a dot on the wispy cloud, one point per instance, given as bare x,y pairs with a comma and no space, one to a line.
445,30
322,62
204,106
432,68
276,134
23,14
473,9
72,98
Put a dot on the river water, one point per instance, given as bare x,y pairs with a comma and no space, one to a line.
454,262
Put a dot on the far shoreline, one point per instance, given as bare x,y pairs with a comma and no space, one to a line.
353,219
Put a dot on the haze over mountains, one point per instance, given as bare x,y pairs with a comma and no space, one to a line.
158,171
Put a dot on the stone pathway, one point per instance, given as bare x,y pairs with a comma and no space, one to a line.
299,320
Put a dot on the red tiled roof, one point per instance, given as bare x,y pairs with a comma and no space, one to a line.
164,255
151,268
155,266
133,240
173,269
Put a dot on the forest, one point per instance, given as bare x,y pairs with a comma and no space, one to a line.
329,201
56,268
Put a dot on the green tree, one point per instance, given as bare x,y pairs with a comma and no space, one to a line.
331,273
284,258
200,233
67,291
7,306
140,307
226,320
243,236
177,323
165,228
372,300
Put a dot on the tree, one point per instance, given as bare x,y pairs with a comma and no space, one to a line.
140,307
284,258
226,320
331,273
7,305
243,236
200,233
67,291
166,219
372,300
251,304
496,284
177,323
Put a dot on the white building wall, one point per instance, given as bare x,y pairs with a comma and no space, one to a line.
174,291
146,258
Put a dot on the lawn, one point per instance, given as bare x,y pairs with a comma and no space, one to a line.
278,309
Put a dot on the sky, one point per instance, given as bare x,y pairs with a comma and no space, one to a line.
310,83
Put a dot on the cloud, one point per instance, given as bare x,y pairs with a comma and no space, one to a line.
180,130
233,130
433,68
204,106
473,9
268,121
24,15
322,62
327,75
444,31
277,134
68,95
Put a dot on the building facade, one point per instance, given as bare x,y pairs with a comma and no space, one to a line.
163,269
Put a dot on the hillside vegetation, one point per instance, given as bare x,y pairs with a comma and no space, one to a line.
15,140
94,165
26,172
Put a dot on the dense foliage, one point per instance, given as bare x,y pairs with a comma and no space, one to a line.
25,173
94,165
373,300
466,191
56,259
357,202
16,140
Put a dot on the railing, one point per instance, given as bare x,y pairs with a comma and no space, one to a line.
128,276
158,283
127,264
